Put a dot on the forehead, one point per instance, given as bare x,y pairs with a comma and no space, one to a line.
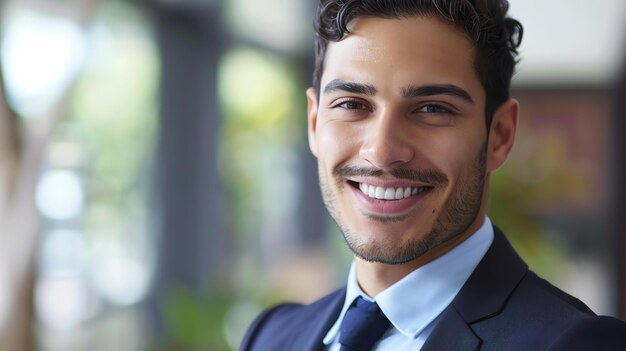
397,52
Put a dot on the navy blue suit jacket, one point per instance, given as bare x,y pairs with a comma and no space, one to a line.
502,306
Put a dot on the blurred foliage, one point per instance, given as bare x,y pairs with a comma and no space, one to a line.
114,105
508,209
262,99
195,322
213,321
258,92
264,119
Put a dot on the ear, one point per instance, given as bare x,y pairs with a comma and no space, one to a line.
502,134
311,97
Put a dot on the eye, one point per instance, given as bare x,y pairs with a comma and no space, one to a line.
435,115
431,108
350,104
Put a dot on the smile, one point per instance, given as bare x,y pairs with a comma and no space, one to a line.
389,199
382,193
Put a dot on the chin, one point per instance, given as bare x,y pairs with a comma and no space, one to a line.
382,247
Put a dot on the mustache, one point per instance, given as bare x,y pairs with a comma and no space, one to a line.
430,176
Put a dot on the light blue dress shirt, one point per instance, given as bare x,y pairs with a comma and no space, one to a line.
414,304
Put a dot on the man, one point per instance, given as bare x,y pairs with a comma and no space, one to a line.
409,115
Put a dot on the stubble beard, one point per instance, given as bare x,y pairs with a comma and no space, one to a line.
457,215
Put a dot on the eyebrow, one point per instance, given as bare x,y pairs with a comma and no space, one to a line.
408,92
439,89
351,87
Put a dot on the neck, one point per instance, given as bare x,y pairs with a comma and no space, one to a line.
374,277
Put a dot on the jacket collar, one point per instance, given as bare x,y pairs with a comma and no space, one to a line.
310,338
484,295
452,334
492,282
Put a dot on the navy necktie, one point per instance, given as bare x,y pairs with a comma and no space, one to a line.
362,326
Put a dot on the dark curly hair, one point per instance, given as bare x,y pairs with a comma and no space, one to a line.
496,36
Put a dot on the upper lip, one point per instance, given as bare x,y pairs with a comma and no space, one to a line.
389,183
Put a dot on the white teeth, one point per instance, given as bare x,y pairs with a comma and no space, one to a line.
389,193
380,193
399,194
371,191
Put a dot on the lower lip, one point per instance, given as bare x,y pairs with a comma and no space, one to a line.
388,207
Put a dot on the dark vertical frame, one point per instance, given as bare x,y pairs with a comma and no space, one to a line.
620,210
188,211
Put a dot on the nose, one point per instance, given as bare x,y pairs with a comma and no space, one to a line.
386,144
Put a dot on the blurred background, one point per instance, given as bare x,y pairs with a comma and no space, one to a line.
157,192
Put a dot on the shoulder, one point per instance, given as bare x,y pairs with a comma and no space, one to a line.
277,325
540,316
548,298
266,321
592,333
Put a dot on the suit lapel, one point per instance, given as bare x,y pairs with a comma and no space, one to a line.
452,334
483,295
488,288
309,338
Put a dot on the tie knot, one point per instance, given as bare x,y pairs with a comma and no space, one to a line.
363,324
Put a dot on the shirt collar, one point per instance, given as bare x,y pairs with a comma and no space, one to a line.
425,292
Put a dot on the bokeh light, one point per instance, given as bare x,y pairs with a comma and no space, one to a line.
60,194
41,55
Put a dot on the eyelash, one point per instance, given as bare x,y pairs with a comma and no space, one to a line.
438,109
354,103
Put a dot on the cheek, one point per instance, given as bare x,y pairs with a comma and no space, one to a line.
337,142
453,154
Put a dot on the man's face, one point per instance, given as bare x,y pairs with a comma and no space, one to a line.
400,136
